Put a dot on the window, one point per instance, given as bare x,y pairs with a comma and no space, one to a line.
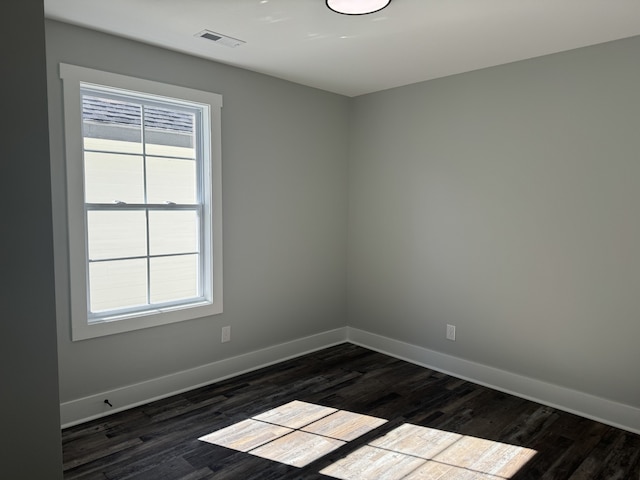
144,202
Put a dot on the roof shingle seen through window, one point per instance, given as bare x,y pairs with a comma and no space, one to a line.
107,111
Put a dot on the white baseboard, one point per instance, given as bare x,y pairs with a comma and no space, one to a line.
89,408
596,408
600,409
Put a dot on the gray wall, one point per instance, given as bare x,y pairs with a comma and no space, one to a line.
505,201
284,152
30,443
502,201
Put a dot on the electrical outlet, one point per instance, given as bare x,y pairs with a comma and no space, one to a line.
226,334
451,333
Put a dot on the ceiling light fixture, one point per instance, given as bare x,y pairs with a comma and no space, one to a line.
357,7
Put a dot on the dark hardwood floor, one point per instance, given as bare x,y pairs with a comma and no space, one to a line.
160,440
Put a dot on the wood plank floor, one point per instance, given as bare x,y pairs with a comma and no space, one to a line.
160,441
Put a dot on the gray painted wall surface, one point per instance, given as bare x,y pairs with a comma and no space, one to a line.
502,201
505,201
30,444
284,152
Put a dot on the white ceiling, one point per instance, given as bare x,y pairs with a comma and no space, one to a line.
409,41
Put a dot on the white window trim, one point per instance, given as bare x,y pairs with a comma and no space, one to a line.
81,329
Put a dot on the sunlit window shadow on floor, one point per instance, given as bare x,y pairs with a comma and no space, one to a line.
298,433
412,452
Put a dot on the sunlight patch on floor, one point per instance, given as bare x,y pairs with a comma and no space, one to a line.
412,452
296,433
299,433
298,448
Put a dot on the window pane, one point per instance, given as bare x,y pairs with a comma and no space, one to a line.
169,132
174,278
111,125
117,284
116,234
173,232
171,180
110,177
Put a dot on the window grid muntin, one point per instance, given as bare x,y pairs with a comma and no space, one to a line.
140,257
145,100
145,189
154,155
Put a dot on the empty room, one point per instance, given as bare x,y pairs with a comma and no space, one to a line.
320,239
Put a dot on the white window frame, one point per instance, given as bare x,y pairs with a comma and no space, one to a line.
83,327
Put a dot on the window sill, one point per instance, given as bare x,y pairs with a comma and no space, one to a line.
115,324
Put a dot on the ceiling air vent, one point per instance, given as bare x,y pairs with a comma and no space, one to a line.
220,39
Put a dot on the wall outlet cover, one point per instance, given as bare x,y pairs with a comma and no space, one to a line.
226,334
451,333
